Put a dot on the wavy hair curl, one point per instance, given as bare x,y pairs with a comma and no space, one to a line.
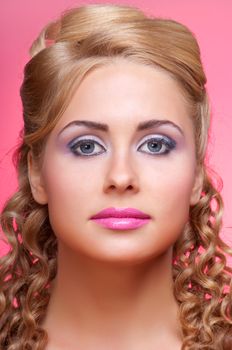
80,40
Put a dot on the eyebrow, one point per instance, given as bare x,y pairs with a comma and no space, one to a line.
148,124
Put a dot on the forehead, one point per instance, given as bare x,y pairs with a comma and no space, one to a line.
125,93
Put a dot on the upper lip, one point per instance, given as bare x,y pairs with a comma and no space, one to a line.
121,213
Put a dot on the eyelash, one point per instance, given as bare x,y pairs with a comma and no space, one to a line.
169,143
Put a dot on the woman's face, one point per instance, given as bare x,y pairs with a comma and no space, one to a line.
152,169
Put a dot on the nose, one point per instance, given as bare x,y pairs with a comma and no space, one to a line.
121,175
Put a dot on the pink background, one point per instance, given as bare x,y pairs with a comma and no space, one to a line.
210,20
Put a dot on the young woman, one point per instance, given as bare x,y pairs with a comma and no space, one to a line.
114,229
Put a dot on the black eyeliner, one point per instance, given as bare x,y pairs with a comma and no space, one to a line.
167,141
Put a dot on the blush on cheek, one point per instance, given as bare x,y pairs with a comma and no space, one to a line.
174,195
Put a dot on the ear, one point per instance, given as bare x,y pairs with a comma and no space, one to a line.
36,181
197,187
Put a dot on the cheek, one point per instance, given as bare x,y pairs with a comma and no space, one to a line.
68,180
69,189
169,197
171,189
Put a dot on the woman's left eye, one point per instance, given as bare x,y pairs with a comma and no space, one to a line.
157,146
160,145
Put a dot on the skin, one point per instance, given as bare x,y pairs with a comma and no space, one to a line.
113,289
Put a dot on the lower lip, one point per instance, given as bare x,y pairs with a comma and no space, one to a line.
121,223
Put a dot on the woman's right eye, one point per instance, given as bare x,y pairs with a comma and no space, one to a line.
85,147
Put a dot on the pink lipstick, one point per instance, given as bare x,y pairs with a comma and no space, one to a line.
121,218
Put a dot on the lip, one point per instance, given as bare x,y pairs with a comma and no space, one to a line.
121,218
121,213
121,223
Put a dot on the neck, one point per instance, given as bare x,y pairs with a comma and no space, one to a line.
102,299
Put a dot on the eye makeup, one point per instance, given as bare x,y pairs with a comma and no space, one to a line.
160,144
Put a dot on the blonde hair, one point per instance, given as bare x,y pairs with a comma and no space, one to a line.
81,40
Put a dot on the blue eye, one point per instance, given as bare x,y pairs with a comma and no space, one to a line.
158,145
86,147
